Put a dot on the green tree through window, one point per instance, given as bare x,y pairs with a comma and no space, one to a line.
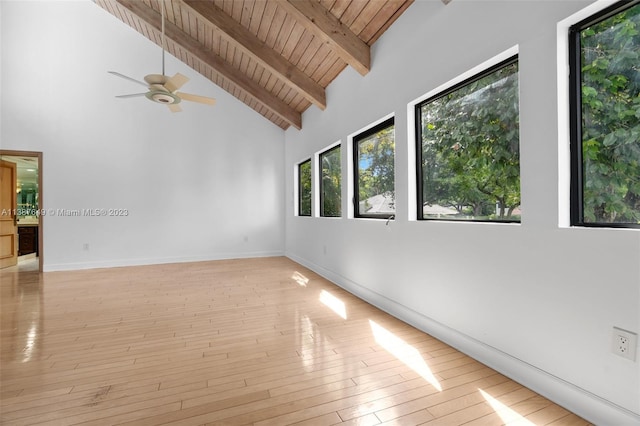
606,133
374,156
468,146
304,188
330,183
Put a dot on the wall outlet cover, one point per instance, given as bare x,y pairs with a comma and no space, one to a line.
624,343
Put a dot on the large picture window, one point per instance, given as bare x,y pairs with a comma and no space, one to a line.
374,179
304,188
330,182
605,118
468,157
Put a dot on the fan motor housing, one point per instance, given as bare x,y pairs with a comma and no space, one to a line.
162,97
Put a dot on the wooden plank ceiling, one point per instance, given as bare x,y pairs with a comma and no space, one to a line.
277,56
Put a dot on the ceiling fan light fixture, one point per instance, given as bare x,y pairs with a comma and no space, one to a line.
163,97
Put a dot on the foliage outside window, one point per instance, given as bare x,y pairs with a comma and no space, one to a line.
304,188
468,149
374,152
605,68
330,183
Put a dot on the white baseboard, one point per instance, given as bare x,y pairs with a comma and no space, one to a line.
575,399
116,263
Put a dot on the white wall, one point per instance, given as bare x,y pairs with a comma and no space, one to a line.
535,300
205,183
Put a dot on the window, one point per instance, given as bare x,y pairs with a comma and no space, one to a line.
330,183
605,118
467,146
373,157
304,188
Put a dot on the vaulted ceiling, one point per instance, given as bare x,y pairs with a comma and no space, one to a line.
277,56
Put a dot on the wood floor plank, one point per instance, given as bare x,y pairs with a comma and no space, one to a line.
241,341
547,415
415,418
421,402
366,420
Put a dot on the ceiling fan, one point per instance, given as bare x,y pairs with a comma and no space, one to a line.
163,89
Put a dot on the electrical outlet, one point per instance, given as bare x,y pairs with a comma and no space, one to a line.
624,343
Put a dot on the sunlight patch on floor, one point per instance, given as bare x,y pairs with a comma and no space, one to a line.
335,304
507,415
300,279
404,352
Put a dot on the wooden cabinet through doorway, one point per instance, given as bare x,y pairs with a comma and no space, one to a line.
27,240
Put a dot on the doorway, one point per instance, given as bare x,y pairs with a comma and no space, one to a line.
28,205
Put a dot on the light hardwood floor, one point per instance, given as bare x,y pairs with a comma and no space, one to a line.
250,341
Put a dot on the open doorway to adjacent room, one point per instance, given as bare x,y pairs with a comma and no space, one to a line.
22,236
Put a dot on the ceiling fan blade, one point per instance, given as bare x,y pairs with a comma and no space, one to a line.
127,78
174,107
133,95
196,98
176,82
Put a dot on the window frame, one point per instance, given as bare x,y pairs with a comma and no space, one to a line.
576,193
356,139
481,73
300,187
331,149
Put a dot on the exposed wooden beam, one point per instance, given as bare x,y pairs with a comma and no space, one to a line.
270,59
216,62
323,24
